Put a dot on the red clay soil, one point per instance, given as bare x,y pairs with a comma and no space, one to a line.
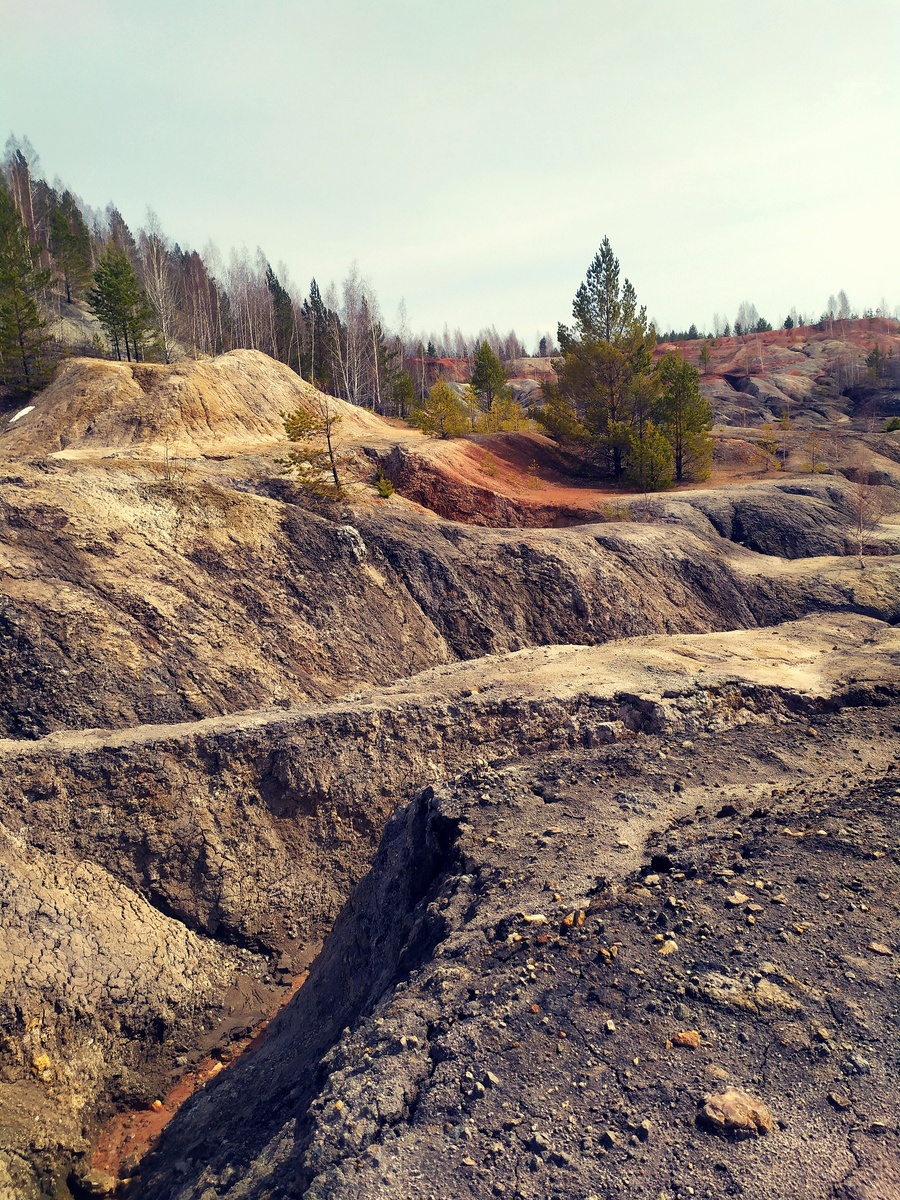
519,480
126,1137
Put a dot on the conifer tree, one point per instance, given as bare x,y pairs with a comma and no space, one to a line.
70,245
685,417
607,363
119,304
441,413
488,376
22,336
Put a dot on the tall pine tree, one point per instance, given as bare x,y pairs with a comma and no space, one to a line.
119,304
70,245
22,279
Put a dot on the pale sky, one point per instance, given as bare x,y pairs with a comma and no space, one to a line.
471,155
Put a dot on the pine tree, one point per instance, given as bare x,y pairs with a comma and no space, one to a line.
685,417
119,304
488,376
70,245
22,336
441,413
317,464
607,362
284,338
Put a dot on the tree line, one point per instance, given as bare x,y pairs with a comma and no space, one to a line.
158,301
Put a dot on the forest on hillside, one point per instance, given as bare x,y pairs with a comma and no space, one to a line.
156,301
76,280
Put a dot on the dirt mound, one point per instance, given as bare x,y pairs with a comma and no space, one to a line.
223,405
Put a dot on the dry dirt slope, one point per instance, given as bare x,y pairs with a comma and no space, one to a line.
227,404
163,884
558,957
251,831
127,599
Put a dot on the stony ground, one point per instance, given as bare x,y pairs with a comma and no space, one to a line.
191,789
554,963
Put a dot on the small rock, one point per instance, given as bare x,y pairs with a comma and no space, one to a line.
609,1138
879,948
839,1100
650,880
98,1183
734,1111
539,1143
492,1080
736,899
157,1105
855,1064
687,1037
534,918
669,946
610,1026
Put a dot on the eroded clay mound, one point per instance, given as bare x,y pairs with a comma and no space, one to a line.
222,404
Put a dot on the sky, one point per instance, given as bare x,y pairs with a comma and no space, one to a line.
471,155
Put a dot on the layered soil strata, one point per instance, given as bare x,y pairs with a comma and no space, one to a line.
557,961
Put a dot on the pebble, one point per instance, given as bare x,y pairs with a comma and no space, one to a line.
669,946
734,1111
736,899
687,1037
879,948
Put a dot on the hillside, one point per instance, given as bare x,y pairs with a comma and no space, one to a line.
240,723
232,403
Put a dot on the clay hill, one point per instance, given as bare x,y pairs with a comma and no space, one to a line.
557,826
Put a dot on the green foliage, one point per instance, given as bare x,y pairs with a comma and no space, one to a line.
22,336
383,485
316,465
892,425
70,245
650,458
285,343
403,393
505,415
788,323
441,414
705,356
119,304
488,376
606,380
559,416
685,417
877,362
